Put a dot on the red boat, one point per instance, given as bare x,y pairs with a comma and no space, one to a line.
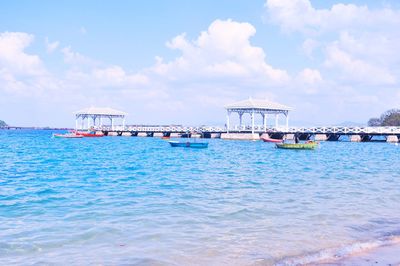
89,134
267,139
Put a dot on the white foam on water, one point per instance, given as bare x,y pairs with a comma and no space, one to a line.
335,254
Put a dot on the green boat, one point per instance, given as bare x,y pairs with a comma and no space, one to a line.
298,146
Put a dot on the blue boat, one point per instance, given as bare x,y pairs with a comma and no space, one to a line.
188,144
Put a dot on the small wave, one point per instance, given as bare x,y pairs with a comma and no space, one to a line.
334,254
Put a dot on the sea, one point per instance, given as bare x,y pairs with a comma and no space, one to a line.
138,201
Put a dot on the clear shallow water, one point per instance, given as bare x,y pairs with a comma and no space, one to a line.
130,200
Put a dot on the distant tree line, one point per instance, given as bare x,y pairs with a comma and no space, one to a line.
390,118
3,124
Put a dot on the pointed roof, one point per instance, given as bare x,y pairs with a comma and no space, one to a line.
258,104
100,111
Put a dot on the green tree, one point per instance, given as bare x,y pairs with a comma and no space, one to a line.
391,118
374,122
2,123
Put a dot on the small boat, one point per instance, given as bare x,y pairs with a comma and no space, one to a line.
188,144
265,139
68,136
298,146
89,134
165,137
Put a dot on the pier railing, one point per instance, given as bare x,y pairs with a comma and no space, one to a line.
338,130
260,129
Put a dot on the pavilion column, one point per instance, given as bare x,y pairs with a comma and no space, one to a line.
82,121
101,122
252,121
76,122
227,121
240,120
276,120
123,123
112,123
88,122
265,122
287,121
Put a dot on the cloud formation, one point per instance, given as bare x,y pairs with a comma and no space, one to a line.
220,62
224,52
301,16
349,55
357,45
14,59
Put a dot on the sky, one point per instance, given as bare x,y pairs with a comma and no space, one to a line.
180,62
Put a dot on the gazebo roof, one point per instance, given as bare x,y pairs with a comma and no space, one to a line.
258,104
106,111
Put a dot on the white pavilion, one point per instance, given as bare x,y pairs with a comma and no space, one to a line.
257,106
94,117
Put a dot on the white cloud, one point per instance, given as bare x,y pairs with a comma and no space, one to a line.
300,15
116,76
223,51
21,73
9,83
51,46
359,43
75,58
310,76
13,57
309,46
309,81
355,69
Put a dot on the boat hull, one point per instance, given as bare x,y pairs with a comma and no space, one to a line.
196,145
272,140
67,136
297,146
89,135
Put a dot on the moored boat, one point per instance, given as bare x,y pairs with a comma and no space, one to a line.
298,146
89,134
68,136
265,139
188,144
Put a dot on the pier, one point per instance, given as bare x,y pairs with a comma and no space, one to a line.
328,133
93,118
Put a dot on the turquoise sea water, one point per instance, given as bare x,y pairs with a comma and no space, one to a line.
131,200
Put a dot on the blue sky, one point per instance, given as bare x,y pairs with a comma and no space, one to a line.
182,61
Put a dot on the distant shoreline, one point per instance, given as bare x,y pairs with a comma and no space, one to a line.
35,128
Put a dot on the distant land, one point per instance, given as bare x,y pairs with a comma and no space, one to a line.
299,123
351,124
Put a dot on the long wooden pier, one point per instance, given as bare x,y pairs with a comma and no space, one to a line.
326,133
